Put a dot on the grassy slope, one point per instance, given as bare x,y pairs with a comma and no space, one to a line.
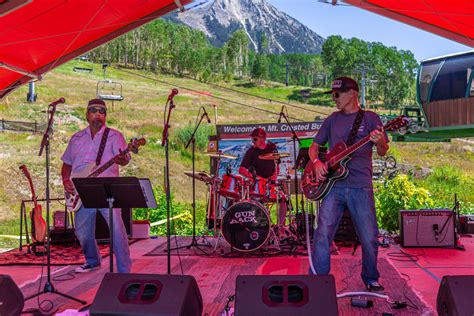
141,113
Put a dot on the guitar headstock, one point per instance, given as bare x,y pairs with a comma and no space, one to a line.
135,143
396,123
25,171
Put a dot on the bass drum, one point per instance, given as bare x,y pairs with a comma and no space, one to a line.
246,226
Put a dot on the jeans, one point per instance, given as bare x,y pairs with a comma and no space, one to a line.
84,220
361,206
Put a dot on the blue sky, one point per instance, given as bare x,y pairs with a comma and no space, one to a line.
348,21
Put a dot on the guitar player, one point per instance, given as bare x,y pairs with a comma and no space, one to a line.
94,145
354,192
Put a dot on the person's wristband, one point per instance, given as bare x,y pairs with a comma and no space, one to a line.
314,160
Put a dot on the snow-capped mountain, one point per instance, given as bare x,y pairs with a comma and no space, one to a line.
218,19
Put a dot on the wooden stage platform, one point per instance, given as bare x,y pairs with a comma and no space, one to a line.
413,278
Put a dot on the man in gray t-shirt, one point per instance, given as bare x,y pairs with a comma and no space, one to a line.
355,191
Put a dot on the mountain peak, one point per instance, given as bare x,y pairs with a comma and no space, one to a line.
220,18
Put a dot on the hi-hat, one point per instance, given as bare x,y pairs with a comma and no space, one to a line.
220,154
273,156
201,176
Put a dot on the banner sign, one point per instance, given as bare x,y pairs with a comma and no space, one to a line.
273,130
235,140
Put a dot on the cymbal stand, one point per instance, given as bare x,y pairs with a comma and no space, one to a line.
295,139
192,141
214,192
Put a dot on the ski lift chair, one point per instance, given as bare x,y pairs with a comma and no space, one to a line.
82,69
109,90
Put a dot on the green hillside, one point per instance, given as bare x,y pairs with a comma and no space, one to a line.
141,114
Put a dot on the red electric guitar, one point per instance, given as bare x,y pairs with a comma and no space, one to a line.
38,224
336,161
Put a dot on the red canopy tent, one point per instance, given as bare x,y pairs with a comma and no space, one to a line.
451,19
39,35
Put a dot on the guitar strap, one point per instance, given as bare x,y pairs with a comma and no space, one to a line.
102,146
355,128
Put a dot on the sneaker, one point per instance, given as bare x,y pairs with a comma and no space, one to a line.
86,268
374,286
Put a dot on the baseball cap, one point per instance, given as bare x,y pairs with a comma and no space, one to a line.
343,84
97,103
258,132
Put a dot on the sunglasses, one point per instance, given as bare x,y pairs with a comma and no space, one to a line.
254,139
95,110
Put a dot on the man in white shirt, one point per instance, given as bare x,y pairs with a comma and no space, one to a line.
83,150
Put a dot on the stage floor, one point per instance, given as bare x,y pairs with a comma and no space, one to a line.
413,278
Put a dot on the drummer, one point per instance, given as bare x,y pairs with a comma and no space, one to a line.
252,167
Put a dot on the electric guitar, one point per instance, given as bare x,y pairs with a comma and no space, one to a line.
73,202
336,163
38,224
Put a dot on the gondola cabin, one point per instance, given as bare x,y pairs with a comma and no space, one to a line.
445,93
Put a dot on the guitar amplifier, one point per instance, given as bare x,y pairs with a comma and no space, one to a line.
427,228
466,224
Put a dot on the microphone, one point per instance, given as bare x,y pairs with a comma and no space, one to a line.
172,94
281,113
205,114
54,103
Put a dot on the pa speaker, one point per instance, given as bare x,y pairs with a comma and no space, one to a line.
285,295
147,294
455,295
427,228
102,233
11,298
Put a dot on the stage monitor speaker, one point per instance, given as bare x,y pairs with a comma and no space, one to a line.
102,233
456,296
427,228
147,294
285,295
11,298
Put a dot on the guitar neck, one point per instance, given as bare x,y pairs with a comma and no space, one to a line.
105,166
349,150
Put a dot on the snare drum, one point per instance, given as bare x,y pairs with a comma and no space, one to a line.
231,186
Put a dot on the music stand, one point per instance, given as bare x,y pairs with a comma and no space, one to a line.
115,192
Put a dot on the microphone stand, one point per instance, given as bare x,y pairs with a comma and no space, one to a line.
164,142
295,138
192,141
49,287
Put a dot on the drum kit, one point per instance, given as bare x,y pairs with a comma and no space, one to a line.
239,208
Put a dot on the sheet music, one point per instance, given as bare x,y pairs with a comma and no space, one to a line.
148,193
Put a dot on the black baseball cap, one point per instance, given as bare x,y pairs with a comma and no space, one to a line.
343,84
258,132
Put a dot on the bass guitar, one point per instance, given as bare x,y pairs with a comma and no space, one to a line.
73,202
336,163
38,224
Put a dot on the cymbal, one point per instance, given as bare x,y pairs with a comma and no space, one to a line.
201,176
273,156
220,154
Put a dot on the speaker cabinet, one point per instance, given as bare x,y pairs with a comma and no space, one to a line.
147,294
285,295
102,233
11,298
427,228
456,296
466,224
